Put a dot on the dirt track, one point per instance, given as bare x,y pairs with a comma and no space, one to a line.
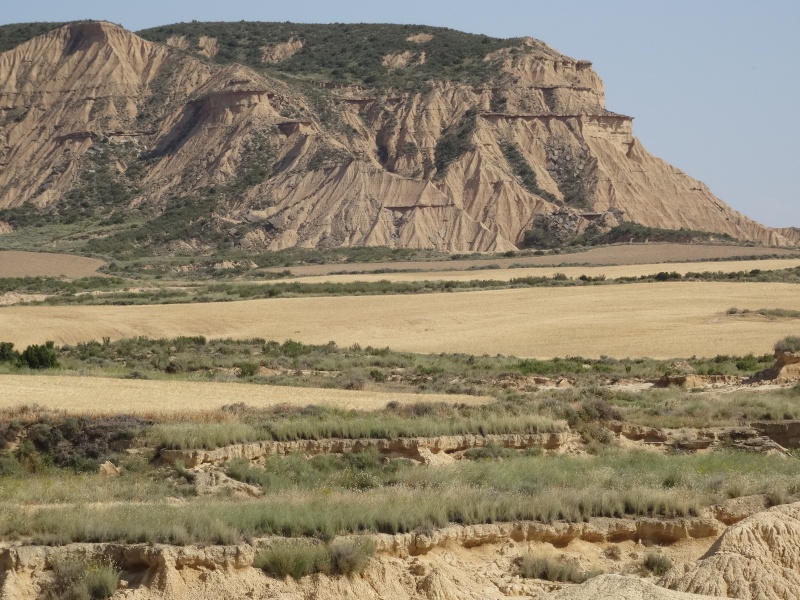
660,320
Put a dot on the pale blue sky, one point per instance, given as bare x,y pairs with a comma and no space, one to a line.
713,84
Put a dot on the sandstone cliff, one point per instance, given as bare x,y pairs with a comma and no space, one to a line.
96,121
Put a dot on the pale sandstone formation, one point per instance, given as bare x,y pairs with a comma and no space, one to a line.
207,46
790,233
424,450
756,559
420,38
401,60
275,53
786,368
454,563
178,41
440,449
619,588
361,174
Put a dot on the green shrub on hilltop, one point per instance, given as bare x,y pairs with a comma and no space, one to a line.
15,34
347,52
788,344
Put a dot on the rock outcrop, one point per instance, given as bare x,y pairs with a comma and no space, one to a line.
286,165
756,559
423,450
786,369
620,588
454,563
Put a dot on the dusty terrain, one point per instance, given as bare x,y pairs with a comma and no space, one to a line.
655,320
36,264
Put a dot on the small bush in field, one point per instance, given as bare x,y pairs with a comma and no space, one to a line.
540,567
657,563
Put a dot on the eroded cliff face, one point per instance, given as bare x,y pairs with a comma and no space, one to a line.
451,166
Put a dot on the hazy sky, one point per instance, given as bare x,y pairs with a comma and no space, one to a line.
713,84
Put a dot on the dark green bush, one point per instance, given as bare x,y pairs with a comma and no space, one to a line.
8,354
247,369
40,357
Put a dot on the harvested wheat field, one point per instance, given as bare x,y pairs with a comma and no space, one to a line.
98,395
41,264
623,254
610,272
659,320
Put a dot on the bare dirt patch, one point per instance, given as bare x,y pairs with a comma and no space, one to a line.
41,264
97,395
657,320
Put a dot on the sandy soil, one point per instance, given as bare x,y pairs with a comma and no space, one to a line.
42,264
610,272
627,254
98,395
659,320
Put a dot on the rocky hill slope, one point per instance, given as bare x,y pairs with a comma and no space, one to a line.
267,136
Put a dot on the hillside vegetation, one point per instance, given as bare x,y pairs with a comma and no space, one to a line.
347,53
271,136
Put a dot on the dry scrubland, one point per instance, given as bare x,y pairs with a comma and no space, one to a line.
40,264
610,272
97,396
659,320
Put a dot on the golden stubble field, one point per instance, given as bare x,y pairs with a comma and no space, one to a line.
100,395
659,320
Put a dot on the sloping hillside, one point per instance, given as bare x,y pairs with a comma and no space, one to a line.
268,136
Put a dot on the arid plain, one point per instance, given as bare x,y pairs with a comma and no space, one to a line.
658,320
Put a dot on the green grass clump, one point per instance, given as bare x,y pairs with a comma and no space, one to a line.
298,559
541,567
788,344
293,559
327,424
78,580
365,494
657,563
